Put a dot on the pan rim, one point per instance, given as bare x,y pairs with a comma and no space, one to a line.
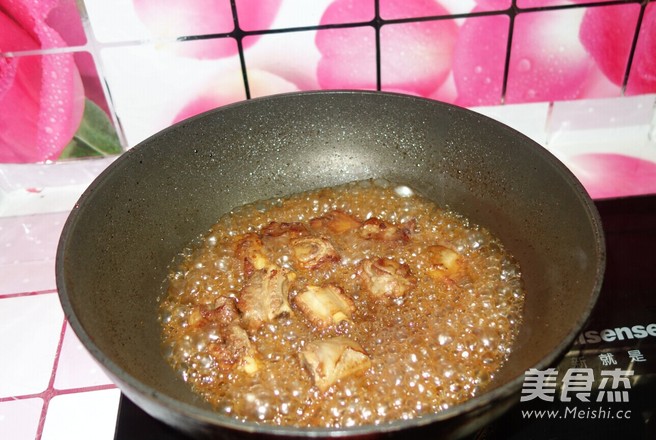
142,391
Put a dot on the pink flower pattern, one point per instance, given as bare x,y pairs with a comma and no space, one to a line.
612,175
415,57
204,17
479,60
546,63
261,83
41,97
577,52
607,34
643,70
190,18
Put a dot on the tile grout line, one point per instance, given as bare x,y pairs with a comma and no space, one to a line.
49,392
26,293
64,392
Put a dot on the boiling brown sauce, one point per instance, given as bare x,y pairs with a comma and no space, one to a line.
434,342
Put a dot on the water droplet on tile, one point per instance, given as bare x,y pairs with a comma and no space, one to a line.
524,65
652,133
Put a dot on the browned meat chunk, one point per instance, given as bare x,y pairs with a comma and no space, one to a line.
234,349
231,347
386,278
312,252
238,343
325,306
376,229
223,312
292,230
264,297
333,359
250,250
446,264
336,221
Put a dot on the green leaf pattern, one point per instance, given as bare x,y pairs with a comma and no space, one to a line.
96,135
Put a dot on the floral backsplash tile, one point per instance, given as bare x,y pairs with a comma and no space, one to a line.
39,25
527,4
549,65
92,77
164,87
393,9
52,105
642,76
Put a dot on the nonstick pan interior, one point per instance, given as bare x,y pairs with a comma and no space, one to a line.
156,198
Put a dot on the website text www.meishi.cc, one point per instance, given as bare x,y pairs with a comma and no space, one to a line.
578,413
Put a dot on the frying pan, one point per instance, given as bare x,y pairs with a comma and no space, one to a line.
128,226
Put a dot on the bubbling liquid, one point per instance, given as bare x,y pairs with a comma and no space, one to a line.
435,345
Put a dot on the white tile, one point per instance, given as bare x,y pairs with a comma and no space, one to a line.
31,276
620,121
589,114
82,416
19,419
138,74
30,238
48,175
529,119
39,200
76,367
115,21
30,330
27,189
28,245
